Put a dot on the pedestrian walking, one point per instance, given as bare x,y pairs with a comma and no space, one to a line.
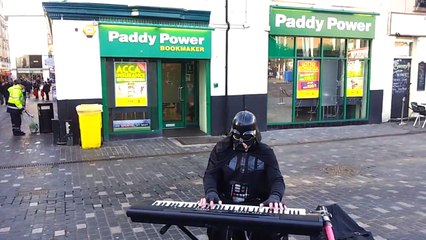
46,90
16,106
2,92
28,86
36,88
5,86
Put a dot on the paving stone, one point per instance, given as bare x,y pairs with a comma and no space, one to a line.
386,191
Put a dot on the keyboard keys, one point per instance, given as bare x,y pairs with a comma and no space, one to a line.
230,208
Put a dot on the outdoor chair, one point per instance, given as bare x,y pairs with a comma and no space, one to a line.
420,112
414,113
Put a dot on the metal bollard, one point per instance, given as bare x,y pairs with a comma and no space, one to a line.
281,96
402,112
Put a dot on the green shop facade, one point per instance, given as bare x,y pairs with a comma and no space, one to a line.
154,67
319,68
154,78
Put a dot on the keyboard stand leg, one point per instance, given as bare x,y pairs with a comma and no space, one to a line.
187,232
166,227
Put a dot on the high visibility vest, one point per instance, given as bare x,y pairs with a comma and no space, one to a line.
16,96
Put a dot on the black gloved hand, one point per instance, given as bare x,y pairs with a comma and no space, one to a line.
212,196
272,199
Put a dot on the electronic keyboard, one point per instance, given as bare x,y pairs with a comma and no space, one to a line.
290,221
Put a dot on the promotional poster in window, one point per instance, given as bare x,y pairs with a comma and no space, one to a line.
308,79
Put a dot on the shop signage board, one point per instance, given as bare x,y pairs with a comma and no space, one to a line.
308,79
130,84
159,42
303,22
400,87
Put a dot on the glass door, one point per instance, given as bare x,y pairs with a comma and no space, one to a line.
180,98
173,95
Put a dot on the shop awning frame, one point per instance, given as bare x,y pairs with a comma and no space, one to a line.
97,11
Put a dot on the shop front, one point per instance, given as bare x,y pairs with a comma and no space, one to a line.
319,67
149,67
154,78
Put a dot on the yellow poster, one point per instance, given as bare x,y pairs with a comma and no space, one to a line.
130,84
308,79
355,79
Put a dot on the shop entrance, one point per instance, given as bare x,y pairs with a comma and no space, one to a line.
180,99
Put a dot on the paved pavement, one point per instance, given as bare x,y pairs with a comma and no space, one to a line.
47,191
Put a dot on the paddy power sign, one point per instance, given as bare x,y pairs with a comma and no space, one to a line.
294,22
138,41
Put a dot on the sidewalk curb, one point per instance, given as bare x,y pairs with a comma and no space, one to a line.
194,149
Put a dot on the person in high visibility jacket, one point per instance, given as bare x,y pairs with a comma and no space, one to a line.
15,107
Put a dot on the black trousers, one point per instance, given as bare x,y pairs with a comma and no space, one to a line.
15,117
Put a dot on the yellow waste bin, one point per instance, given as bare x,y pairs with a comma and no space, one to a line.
90,122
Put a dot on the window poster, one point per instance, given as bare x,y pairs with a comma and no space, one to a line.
308,79
355,79
130,84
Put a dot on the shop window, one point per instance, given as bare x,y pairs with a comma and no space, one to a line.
333,47
421,4
121,94
356,89
326,80
306,110
403,48
308,46
130,119
280,90
281,46
333,73
358,48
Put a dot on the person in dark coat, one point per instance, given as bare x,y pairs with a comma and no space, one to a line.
46,90
28,86
2,92
243,170
36,88
4,88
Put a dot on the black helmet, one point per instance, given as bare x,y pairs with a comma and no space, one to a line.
244,129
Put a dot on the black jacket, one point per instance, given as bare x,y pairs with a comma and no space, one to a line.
262,175
46,87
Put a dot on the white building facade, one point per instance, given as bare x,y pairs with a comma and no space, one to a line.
196,67
4,46
28,40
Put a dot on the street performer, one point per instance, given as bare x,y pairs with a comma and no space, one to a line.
15,107
243,170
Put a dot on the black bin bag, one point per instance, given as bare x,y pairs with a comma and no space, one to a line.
344,227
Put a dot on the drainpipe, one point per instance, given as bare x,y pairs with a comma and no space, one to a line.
226,68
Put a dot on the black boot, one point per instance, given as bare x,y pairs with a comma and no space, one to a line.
18,133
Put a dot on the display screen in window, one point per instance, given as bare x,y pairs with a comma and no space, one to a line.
126,125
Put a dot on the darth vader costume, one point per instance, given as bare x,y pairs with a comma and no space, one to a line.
243,170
